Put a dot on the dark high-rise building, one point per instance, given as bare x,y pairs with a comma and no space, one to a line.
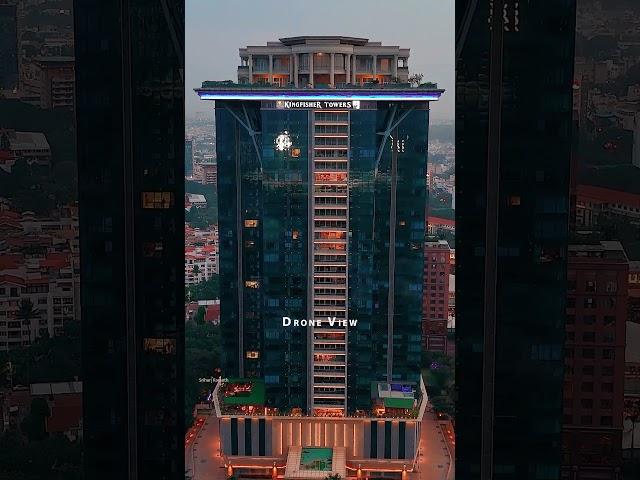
595,360
188,158
130,140
8,46
513,146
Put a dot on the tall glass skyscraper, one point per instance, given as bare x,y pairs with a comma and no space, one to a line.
322,194
513,144
325,195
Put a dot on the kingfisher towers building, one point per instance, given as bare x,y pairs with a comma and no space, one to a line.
322,195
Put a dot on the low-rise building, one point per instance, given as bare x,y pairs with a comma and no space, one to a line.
29,147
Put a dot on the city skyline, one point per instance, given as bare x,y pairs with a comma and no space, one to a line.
215,23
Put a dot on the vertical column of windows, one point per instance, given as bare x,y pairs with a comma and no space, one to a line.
330,227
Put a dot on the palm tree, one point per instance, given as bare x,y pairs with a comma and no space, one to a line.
26,312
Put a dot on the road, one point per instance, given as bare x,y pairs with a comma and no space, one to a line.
434,461
202,458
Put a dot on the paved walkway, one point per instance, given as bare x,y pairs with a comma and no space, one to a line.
202,451
434,461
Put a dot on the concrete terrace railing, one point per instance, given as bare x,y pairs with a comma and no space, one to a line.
218,407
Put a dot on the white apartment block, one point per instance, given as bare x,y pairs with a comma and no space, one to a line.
323,60
199,266
54,299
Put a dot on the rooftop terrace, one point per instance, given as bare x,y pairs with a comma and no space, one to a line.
242,397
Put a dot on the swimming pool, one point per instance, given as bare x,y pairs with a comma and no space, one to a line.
316,458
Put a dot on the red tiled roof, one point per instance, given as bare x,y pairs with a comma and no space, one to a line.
66,413
55,260
212,313
10,261
8,222
607,195
63,418
11,279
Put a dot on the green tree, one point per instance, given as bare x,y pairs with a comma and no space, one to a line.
207,290
416,79
33,424
202,359
26,312
200,314
333,476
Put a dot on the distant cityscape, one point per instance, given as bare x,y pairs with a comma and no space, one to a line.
41,383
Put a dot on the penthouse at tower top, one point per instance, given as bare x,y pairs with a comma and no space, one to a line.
324,195
323,60
324,191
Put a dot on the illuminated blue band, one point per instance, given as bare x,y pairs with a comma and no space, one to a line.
383,97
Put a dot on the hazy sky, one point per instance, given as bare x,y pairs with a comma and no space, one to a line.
215,29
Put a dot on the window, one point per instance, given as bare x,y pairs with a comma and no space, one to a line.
607,387
253,354
588,370
588,353
606,421
607,370
161,200
165,346
586,420
586,387
607,353
609,319
608,337
514,200
606,404
251,223
590,286
252,284
586,403
589,319
589,336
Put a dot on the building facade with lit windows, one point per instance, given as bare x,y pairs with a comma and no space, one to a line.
435,309
321,319
323,60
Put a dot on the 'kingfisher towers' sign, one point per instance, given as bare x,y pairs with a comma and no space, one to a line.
319,104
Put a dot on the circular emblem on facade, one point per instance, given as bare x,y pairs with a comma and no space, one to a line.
283,141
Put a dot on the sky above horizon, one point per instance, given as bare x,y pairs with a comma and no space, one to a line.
216,29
